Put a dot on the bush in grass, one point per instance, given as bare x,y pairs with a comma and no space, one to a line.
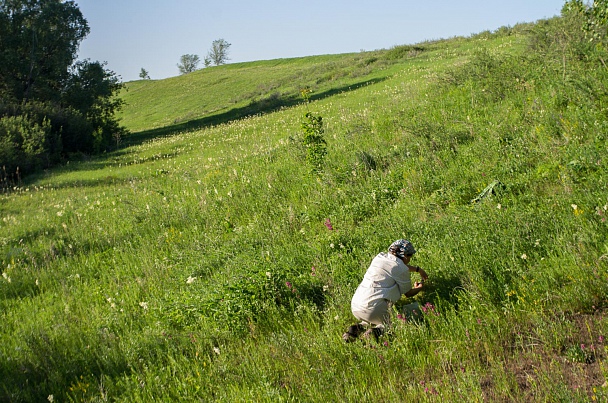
316,146
240,304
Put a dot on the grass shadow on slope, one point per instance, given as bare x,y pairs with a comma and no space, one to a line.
269,104
444,289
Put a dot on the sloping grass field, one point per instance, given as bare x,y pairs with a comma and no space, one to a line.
206,261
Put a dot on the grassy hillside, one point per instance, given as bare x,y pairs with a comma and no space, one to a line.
205,261
223,93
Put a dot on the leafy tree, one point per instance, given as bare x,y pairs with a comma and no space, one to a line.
39,41
218,53
188,63
51,106
90,92
595,17
143,74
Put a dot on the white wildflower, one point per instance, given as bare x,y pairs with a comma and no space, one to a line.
190,280
144,305
524,256
216,350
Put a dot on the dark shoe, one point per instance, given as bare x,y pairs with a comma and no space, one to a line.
348,338
375,331
352,333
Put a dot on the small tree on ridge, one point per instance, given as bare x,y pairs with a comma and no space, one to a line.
218,53
188,63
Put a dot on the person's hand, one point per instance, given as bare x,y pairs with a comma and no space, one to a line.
417,287
423,274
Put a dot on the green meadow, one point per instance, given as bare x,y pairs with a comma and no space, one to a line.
207,260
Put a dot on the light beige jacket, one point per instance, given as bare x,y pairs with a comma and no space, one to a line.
387,278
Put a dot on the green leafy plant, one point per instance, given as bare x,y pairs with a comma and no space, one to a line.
315,143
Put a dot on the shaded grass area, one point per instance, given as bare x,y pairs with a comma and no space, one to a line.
267,105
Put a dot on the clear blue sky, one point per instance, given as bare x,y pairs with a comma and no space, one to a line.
153,34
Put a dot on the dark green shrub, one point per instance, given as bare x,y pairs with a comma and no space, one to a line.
24,143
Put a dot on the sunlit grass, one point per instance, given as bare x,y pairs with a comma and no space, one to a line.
200,265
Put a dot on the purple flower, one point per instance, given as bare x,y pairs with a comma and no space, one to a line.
288,284
600,339
429,308
328,224
431,390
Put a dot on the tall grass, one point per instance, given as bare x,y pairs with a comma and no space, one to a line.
211,265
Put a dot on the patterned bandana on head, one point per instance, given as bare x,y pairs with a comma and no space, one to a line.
401,248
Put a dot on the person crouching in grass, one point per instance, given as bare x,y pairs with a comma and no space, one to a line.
385,281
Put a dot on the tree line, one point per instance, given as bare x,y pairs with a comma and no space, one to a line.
218,54
51,105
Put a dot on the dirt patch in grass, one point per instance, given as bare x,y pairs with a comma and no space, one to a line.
540,372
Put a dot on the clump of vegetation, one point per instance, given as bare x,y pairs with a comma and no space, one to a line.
51,106
316,146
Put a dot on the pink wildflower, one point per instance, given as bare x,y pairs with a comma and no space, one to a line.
328,224
429,308
431,390
600,339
